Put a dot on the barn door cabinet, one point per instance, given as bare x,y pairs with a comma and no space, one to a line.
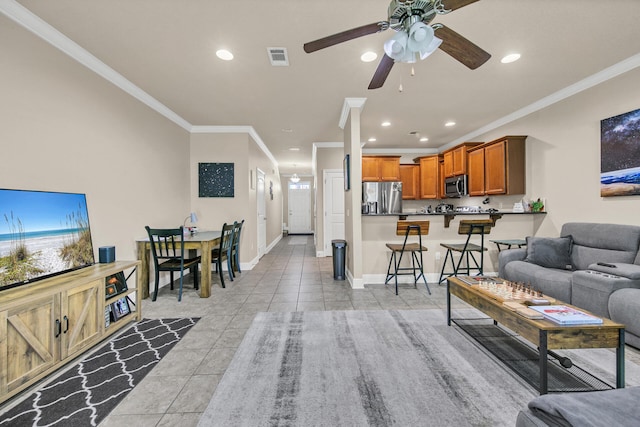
380,168
48,323
497,167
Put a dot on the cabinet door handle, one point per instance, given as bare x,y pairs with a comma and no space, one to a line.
66,326
58,328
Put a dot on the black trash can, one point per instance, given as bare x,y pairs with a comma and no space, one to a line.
339,254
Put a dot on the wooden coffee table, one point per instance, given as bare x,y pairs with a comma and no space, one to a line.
544,334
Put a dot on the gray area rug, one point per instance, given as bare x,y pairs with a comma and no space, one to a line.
85,394
361,368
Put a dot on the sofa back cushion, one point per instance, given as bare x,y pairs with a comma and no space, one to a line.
595,242
550,252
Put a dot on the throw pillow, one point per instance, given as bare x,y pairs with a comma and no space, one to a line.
550,252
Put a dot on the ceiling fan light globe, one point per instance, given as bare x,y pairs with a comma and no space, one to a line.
420,37
435,44
396,46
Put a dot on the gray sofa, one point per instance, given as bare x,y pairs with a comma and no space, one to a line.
609,408
567,268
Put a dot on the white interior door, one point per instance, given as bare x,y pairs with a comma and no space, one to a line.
262,214
333,208
299,207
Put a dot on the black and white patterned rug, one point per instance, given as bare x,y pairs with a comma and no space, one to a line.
85,394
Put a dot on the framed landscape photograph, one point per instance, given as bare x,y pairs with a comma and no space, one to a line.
620,155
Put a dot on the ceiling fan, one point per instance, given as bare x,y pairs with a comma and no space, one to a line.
414,36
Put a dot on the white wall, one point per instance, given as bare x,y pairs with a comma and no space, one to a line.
66,129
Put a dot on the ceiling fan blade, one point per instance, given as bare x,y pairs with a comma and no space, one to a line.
383,70
344,36
456,4
460,48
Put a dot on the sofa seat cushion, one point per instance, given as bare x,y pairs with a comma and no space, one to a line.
624,307
551,281
591,290
598,408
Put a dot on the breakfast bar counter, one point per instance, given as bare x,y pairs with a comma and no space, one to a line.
379,229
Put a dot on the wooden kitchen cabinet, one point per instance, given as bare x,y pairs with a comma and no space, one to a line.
380,168
455,159
45,324
503,167
429,176
475,182
410,177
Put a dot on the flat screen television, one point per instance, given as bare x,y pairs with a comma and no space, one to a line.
42,234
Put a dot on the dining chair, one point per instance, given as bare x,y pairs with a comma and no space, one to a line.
223,252
235,246
167,250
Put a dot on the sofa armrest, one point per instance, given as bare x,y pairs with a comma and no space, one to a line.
629,271
508,255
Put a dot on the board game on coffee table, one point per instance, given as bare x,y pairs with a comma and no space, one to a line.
504,290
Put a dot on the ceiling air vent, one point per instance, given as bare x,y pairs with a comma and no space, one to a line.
278,56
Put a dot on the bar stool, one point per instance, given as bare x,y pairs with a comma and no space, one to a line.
469,227
406,228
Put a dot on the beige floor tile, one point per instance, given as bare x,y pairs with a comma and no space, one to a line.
196,394
153,395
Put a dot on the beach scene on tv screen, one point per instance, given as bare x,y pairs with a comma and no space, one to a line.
42,234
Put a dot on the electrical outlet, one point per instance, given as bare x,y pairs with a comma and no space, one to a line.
437,256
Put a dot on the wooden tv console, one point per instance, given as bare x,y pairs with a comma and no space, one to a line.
48,323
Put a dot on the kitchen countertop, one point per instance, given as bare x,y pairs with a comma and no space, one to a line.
448,216
456,213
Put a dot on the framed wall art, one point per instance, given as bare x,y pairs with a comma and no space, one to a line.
620,155
215,180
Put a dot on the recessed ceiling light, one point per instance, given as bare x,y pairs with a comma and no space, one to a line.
224,55
385,124
512,57
369,56
450,123
294,149
424,139
371,140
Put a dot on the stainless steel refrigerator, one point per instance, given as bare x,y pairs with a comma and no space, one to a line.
381,197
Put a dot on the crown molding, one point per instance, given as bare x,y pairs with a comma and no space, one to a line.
584,84
42,29
350,103
238,129
328,144
400,150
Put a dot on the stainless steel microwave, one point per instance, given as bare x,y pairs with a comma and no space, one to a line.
455,186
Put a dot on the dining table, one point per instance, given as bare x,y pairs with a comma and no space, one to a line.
203,241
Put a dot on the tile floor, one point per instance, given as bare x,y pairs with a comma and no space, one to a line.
289,278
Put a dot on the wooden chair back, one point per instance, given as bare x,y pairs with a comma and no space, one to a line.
413,227
166,244
226,240
475,226
237,228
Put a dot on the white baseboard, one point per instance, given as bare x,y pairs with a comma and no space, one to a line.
355,283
